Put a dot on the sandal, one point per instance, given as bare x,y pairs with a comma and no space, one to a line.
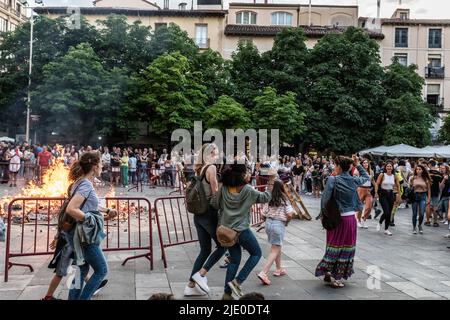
428,223
337,284
280,272
264,278
435,224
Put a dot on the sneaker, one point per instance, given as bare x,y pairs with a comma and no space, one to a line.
446,222
364,225
435,224
101,286
237,289
378,227
392,224
414,231
360,224
264,278
420,230
194,292
387,232
227,296
201,281
447,236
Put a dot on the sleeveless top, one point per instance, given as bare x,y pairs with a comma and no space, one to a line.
206,184
388,182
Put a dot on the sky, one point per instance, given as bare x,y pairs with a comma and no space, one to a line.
420,9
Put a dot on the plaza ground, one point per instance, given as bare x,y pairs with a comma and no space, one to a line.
410,266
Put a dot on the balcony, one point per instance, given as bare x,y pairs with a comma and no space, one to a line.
202,43
438,103
434,72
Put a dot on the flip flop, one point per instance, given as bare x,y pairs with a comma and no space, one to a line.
337,285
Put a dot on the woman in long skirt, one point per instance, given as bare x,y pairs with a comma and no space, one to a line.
337,263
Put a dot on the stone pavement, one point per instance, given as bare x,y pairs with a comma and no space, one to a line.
408,267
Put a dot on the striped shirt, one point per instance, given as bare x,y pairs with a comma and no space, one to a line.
278,213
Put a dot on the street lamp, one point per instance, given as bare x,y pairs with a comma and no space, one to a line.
25,4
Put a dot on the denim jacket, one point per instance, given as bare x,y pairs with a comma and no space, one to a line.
89,231
346,195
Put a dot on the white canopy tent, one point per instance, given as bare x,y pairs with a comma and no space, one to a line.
399,150
7,139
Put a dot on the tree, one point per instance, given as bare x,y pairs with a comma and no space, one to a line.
226,113
170,39
247,77
287,62
73,95
281,112
408,117
168,95
214,73
409,121
346,93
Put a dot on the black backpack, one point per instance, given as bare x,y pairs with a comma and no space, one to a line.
330,215
196,201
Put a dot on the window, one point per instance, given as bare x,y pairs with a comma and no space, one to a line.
246,17
182,6
433,94
403,15
18,7
402,58
401,37
201,36
435,38
3,25
159,25
245,41
281,19
434,61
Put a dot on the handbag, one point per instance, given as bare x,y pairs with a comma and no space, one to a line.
227,237
330,214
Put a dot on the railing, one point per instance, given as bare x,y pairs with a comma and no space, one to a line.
202,43
435,72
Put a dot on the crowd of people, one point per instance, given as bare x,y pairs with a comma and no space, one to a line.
358,185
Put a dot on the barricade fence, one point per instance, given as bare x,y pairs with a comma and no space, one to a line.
32,225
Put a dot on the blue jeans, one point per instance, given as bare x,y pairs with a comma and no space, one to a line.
419,206
206,225
247,241
93,255
143,174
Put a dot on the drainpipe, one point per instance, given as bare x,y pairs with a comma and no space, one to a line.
298,16
309,14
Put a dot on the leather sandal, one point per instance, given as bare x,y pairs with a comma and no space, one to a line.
337,284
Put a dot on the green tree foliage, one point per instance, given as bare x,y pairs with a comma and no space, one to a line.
169,95
226,113
247,74
281,112
78,96
346,93
169,39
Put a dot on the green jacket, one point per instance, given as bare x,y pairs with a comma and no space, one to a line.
234,208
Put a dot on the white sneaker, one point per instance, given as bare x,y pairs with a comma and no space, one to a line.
446,222
364,224
360,225
195,291
387,232
378,227
201,281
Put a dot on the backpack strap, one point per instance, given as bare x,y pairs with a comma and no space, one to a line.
203,172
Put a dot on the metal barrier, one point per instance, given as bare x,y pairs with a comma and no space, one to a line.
177,225
34,223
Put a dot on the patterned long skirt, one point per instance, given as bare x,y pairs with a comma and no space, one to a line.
340,250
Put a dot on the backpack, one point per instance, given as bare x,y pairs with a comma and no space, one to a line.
196,201
330,214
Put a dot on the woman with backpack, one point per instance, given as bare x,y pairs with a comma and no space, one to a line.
235,199
387,182
84,219
337,263
205,223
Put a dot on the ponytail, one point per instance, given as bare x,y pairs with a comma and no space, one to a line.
76,171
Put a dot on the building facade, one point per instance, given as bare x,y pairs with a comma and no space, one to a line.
425,43
12,14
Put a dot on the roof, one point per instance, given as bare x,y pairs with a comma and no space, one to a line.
270,31
271,5
146,1
413,22
134,12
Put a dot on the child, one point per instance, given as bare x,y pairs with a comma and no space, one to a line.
278,213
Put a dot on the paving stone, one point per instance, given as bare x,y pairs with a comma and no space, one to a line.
151,280
16,282
413,290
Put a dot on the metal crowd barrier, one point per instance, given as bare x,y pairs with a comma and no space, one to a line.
32,224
